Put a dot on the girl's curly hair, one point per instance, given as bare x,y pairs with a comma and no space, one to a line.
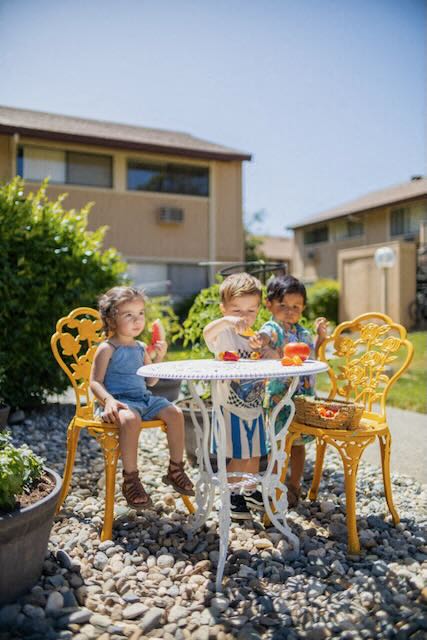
109,302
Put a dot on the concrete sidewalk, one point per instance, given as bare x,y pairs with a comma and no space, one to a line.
409,444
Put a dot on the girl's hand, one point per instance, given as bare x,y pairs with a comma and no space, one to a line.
161,348
111,409
321,326
236,322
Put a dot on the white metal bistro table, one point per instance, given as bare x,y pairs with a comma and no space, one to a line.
217,371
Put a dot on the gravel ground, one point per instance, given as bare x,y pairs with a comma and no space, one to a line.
156,580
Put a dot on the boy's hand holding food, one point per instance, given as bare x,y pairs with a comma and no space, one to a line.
321,326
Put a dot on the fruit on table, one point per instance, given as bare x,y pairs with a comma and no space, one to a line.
229,356
247,333
295,361
300,349
157,334
255,355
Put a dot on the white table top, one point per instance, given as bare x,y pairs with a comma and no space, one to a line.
220,370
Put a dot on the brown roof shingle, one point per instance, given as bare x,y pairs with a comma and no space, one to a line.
399,193
98,132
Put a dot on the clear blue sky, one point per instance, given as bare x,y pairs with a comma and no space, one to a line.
328,95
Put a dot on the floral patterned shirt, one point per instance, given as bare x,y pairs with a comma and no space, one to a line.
275,389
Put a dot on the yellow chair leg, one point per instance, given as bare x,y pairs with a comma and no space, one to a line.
111,450
72,439
190,506
351,453
320,456
385,446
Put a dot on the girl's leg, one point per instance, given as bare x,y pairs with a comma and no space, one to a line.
176,475
130,428
174,419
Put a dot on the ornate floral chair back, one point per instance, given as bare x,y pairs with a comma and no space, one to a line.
368,354
74,344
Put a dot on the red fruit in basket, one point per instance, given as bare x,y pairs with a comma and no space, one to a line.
157,333
300,349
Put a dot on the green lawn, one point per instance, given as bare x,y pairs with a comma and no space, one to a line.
409,392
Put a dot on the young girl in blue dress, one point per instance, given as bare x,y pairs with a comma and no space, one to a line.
124,396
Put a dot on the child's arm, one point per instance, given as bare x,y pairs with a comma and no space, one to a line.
321,326
268,340
214,328
99,367
161,348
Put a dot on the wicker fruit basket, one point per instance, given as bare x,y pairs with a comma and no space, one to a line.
328,414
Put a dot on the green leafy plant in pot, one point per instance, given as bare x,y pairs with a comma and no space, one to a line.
28,495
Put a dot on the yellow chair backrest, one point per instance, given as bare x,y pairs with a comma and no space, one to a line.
74,344
366,356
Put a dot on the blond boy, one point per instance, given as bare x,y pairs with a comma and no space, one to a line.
241,401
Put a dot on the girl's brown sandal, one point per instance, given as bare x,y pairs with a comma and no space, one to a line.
179,480
133,491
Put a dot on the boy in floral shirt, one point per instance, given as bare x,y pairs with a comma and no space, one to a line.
286,299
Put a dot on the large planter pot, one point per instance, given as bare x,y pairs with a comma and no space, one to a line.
24,536
4,415
168,389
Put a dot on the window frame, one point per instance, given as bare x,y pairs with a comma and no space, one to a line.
163,168
315,240
20,165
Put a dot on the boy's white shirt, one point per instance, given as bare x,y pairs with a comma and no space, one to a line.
229,340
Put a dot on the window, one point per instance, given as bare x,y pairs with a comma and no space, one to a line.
152,277
318,234
345,229
66,167
407,220
89,169
36,163
168,178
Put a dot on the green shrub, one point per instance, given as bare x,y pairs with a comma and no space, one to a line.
19,469
49,264
322,300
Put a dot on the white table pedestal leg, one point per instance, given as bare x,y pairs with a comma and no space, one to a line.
205,487
270,481
224,490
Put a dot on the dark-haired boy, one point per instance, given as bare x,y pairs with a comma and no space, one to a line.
286,299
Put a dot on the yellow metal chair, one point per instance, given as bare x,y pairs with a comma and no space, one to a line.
360,369
74,345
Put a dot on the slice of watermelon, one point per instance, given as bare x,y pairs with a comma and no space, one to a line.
157,333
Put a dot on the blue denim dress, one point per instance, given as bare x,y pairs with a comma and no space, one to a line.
122,381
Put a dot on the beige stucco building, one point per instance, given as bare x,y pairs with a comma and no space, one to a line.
341,243
279,249
170,200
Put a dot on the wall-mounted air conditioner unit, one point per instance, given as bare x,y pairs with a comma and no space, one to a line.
170,215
